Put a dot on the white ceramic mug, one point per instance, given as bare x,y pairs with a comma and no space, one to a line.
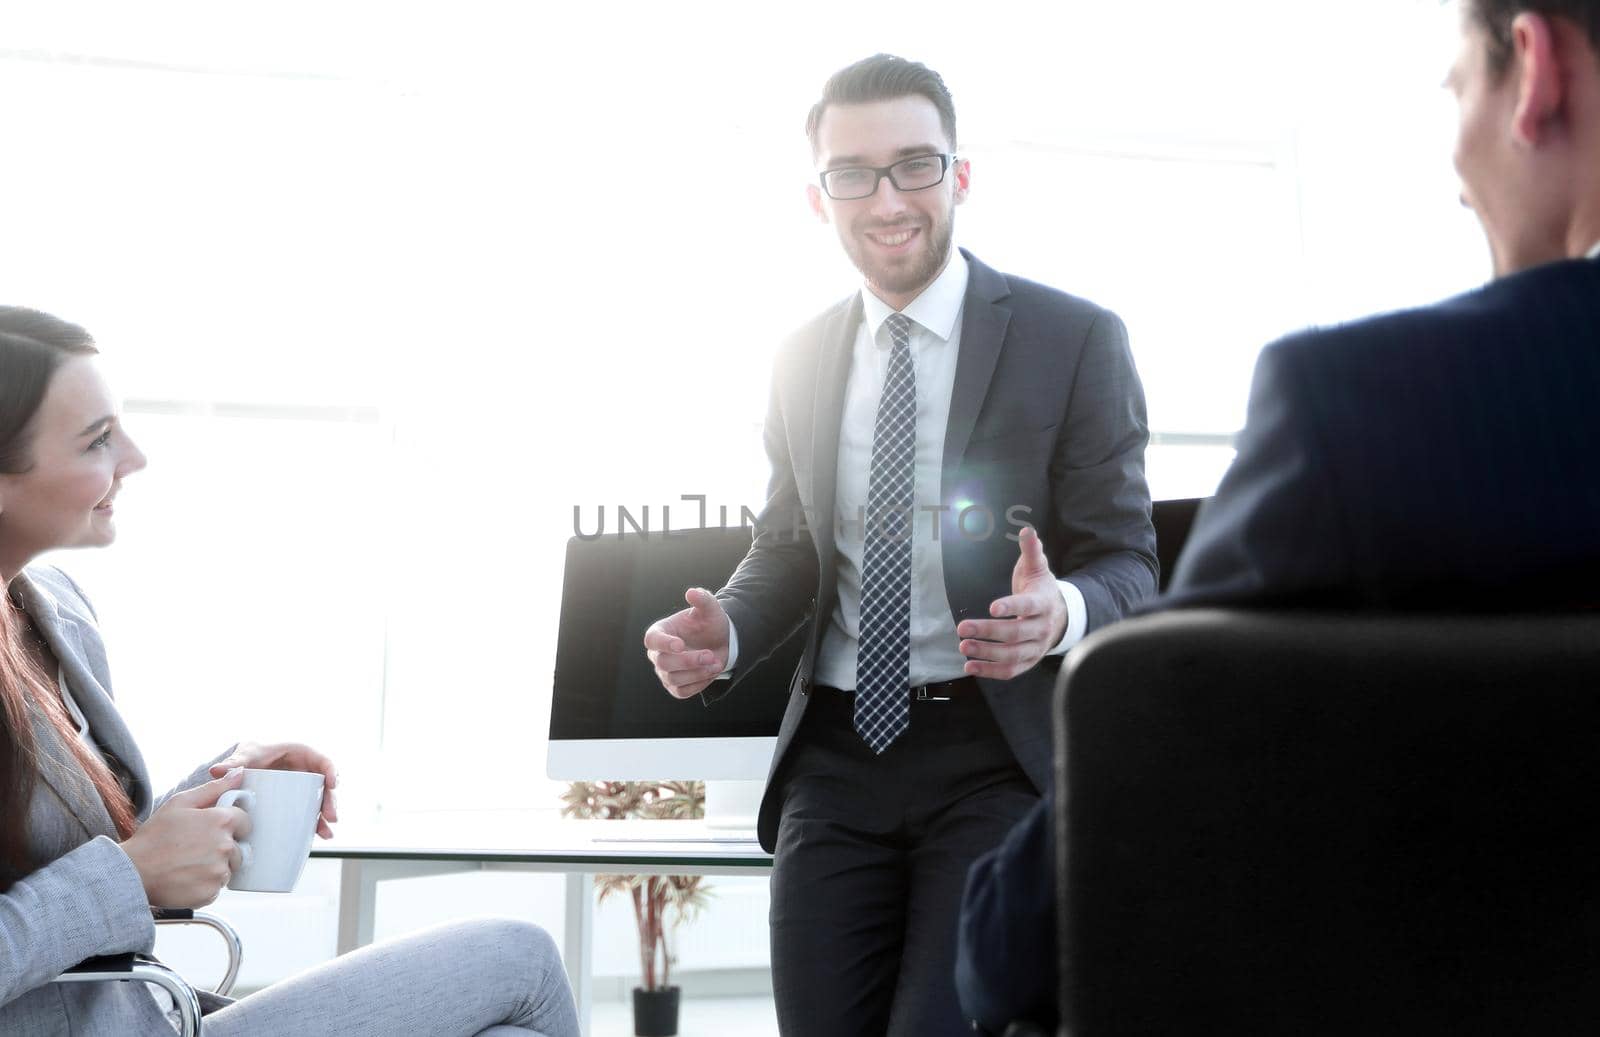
283,808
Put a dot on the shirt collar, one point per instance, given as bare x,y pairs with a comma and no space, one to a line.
937,308
1593,253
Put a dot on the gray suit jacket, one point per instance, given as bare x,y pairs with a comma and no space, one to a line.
1047,414
88,899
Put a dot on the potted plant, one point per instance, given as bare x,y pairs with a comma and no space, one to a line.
660,902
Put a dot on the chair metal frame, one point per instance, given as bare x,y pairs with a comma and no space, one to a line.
230,940
141,968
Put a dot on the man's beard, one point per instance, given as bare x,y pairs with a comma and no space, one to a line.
901,279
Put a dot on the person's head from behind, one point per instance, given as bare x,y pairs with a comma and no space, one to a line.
883,137
63,452
1527,80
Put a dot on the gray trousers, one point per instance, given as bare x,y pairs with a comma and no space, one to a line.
489,978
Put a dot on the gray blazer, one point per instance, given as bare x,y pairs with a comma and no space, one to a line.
88,899
1047,414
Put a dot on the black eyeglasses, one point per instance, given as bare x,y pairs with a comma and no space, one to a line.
909,174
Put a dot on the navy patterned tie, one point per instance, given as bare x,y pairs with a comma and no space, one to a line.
883,655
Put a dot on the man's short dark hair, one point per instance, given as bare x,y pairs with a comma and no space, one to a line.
884,77
1496,16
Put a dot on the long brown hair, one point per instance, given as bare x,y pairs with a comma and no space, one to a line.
33,346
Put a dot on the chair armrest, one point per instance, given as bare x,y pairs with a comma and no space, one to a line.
230,938
138,968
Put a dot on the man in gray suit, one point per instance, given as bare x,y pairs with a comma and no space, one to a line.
944,444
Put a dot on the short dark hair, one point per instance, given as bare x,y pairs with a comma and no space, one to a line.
884,77
1496,16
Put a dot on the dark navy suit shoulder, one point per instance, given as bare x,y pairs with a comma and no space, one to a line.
1433,456
1462,324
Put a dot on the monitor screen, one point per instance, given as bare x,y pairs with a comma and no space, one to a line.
606,695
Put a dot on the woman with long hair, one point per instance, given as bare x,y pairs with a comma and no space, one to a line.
86,850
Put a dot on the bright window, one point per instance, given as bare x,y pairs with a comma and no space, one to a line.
390,288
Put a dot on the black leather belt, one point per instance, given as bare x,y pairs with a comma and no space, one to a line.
944,691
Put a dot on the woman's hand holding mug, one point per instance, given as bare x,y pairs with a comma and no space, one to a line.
289,756
187,851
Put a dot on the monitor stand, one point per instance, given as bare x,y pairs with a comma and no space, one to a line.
733,804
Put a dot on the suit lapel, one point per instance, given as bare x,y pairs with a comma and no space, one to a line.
833,372
983,328
76,646
59,770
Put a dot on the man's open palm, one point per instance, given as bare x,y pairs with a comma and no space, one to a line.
689,648
1026,624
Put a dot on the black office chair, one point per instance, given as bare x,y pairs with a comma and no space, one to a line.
1172,520
1278,823
141,968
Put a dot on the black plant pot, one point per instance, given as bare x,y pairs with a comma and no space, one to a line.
655,1012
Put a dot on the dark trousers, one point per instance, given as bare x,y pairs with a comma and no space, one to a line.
871,860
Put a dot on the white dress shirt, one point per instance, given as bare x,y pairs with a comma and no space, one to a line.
935,345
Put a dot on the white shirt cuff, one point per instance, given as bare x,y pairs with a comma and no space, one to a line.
733,653
1077,617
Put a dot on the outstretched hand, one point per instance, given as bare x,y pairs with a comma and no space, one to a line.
689,648
1027,623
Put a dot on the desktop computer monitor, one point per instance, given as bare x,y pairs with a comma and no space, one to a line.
609,716
610,719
